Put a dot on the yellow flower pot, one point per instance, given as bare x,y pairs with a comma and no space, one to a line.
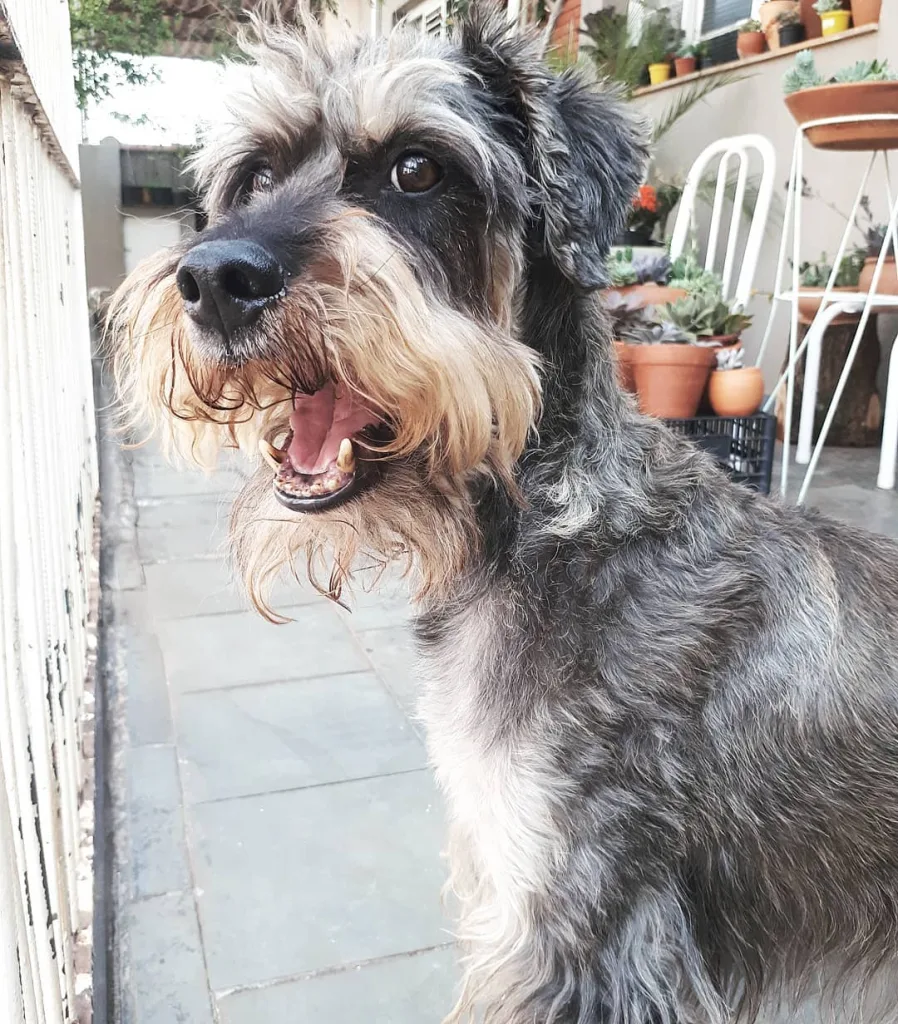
834,22
659,73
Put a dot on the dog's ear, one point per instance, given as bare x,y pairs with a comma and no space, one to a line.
585,153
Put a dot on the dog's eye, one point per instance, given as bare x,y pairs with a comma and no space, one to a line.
259,179
415,172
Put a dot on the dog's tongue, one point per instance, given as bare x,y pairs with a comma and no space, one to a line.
319,423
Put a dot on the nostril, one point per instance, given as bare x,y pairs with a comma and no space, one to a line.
239,284
187,286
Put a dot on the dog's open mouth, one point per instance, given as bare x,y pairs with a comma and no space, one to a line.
322,461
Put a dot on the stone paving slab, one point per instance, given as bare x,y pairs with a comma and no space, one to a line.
166,973
277,736
417,990
242,648
318,878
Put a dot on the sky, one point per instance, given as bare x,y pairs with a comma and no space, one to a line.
187,94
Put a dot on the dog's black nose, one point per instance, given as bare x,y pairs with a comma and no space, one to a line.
226,284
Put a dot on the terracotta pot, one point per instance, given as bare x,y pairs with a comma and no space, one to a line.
809,306
670,379
888,279
768,14
810,19
841,101
790,35
684,66
736,392
865,12
623,353
835,22
750,44
651,294
659,73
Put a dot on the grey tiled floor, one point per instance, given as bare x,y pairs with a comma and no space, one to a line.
283,831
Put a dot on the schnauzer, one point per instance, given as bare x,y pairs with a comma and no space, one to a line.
663,709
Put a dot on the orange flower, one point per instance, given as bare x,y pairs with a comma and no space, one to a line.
647,199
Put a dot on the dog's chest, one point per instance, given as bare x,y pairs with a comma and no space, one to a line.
490,764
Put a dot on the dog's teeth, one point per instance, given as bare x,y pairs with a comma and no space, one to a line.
346,456
270,454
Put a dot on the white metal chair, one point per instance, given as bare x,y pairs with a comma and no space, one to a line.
741,148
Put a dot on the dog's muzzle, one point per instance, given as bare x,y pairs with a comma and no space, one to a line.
226,285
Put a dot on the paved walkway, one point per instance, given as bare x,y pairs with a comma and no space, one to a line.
278,832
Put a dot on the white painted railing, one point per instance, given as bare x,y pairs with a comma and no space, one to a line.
47,497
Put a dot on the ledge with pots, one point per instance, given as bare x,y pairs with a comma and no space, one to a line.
748,62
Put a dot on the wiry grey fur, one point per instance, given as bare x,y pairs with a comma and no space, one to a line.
664,710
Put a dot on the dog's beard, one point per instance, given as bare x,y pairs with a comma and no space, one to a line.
447,397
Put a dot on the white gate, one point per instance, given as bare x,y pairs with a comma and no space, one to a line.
47,497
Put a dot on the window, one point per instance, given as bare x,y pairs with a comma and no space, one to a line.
704,19
428,18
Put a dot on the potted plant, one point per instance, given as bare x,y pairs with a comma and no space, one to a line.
686,61
750,40
735,389
874,239
770,11
670,370
865,12
814,277
642,278
643,218
867,87
702,53
833,17
707,315
628,318
790,30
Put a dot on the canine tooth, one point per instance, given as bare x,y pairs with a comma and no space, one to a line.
346,456
270,454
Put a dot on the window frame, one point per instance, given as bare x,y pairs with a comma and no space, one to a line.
693,14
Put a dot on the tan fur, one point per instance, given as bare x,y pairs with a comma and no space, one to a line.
460,396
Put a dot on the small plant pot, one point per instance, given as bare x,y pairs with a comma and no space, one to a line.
843,100
835,22
670,379
865,12
809,306
736,392
651,294
888,279
659,73
684,66
791,35
750,44
768,14
623,354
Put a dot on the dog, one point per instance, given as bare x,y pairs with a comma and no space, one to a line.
663,709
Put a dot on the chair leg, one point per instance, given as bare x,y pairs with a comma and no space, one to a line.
889,451
809,393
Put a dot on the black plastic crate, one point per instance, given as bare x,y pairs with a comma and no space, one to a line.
743,446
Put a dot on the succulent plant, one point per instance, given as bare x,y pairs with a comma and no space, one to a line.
804,74
686,272
651,269
816,275
626,313
790,17
664,332
620,268
752,25
707,315
827,6
865,71
731,358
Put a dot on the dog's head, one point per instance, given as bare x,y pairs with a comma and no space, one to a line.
351,313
